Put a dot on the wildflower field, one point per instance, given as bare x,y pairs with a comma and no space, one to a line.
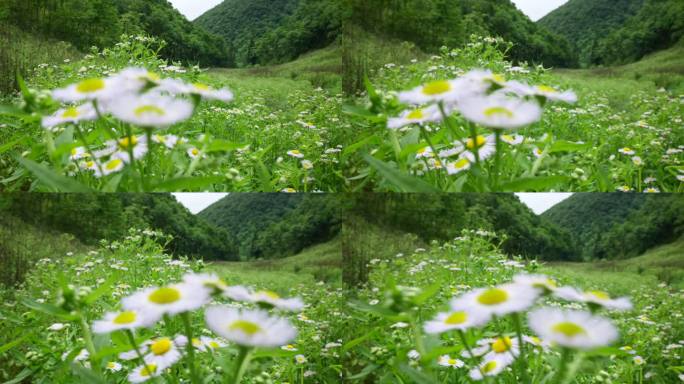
463,312
127,312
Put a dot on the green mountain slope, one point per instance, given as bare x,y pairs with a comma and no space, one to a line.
585,22
267,31
433,23
618,226
609,32
101,22
275,225
92,217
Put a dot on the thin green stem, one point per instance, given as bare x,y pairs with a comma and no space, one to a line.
566,353
521,347
462,336
190,348
497,159
423,131
131,339
476,148
90,347
244,358
81,136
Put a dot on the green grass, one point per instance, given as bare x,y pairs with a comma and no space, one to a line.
321,262
663,264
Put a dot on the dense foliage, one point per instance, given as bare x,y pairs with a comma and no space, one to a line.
443,216
101,22
269,226
615,226
92,217
617,32
431,24
266,31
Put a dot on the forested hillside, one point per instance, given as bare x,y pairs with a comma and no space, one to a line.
87,23
609,32
616,226
92,217
431,24
444,216
273,225
267,31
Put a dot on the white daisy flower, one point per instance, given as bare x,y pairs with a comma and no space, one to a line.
594,297
636,160
650,180
78,153
113,366
307,164
448,361
448,91
176,87
537,342
512,139
169,141
149,110
89,89
135,79
170,300
114,321
209,280
300,359
574,329
288,347
415,116
498,300
295,153
120,148
651,190
271,299
249,327
424,152
194,152
485,145
500,111
537,152
458,318
504,349
487,368
109,167
544,91
627,151
542,282
74,115
144,373
163,353
460,165
56,327
413,354
638,360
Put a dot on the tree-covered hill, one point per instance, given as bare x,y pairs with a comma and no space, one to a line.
433,23
273,31
443,217
609,32
616,226
585,22
92,217
274,225
87,23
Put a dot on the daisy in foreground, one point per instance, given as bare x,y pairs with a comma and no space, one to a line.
500,300
171,300
573,329
114,321
144,373
249,328
599,298
458,318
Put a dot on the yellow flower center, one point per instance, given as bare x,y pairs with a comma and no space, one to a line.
289,346
74,152
535,340
546,284
165,295
489,367
270,294
161,346
600,295
127,142
415,114
195,151
494,111
111,365
546,88
160,138
245,326
113,164
507,138
148,370
125,317
627,149
90,85
456,318
480,142
493,296
70,112
214,344
462,163
149,109
196,342
502,345
89,164
201,87
568,329
436,87
451,361
151,76
498,78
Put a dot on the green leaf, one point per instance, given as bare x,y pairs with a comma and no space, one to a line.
223,146
367,370
272,353
49,309
404,182
543,183
51,179
10,144
14,343
568,146
353,343
87,375
416,376
20,377
101,290
187,183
